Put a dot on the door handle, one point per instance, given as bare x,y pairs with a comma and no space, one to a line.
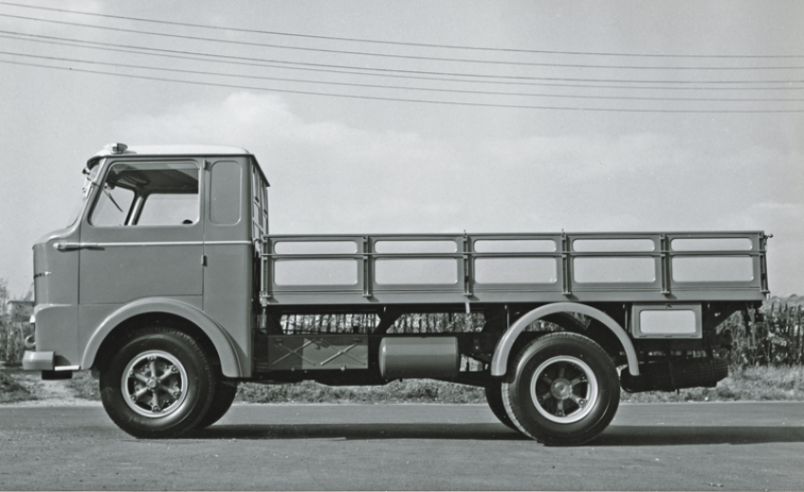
65,246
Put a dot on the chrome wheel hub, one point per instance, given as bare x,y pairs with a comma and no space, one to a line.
154,384
561,389
564,389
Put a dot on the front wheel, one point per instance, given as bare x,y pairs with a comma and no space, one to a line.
565,389
160,384
225,391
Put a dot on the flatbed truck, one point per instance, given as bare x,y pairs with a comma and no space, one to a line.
168,286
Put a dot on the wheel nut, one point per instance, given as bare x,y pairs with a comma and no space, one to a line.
581,403
133,398
174,369
152,358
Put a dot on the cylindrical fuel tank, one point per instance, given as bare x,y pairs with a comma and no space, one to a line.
419,357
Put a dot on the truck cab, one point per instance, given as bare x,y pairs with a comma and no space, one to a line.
169,226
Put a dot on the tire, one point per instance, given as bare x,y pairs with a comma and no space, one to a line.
564,391
495,400
225,391
160,384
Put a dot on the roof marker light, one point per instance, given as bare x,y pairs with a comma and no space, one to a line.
117,148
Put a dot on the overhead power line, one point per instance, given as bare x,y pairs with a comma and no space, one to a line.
397,87
409,100
397,73
396,56
392,43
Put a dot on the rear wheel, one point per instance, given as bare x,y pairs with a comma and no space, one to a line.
225,391
495,400
160,384
565,389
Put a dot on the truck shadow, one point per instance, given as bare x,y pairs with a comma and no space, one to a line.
632,435
615,435
359,432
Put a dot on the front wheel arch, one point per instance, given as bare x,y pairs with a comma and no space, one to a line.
121,334
233,360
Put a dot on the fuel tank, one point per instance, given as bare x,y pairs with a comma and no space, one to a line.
419,357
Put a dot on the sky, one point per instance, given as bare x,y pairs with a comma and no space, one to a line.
421,116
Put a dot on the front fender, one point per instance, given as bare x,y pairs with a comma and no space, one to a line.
234,362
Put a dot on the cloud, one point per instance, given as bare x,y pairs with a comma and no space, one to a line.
329,177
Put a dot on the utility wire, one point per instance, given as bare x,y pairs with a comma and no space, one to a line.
389,55
407,100
496,79
385,42
396,87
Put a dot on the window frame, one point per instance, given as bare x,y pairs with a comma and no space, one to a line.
136,207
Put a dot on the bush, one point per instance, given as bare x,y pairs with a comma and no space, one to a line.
11,390
14,326
12,348
771,336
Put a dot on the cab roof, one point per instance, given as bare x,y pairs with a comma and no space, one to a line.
120,149
142,150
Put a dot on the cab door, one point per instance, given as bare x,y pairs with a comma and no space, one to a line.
229,250
143,236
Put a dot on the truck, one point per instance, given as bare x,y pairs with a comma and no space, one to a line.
168,286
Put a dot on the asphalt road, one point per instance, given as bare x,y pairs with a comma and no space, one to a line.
693,446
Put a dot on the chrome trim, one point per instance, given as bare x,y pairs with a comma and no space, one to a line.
66,368
70,246
228,242
149,243
42,274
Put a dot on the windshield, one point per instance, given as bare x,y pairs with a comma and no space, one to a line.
89,180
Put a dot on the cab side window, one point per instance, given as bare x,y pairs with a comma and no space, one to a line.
148,194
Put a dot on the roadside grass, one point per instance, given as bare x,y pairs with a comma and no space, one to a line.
785,383
84,386
748,384
760,383
12,391
407,391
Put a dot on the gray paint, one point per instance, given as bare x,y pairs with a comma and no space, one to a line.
234,362
607,284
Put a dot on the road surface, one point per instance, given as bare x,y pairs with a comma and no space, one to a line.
691,446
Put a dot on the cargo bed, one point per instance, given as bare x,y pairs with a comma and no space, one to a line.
497,268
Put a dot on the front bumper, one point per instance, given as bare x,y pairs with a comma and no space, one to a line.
38,361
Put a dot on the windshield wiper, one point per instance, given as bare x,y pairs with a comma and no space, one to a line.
109,194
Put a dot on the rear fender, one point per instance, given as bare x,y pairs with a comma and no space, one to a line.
499,363
234,362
